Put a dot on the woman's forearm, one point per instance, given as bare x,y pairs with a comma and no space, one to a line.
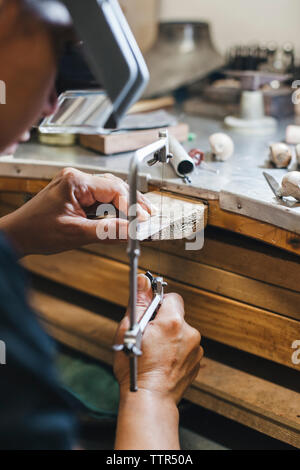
147,421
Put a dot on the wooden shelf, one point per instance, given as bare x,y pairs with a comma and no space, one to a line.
241,290
228,321
260,404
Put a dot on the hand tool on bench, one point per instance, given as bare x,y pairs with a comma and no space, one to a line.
182,163
290,185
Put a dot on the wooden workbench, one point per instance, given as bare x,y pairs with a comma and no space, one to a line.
241,290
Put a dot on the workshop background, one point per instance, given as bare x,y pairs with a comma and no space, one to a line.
263,20
249,21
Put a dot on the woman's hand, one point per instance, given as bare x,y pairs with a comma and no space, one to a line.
55,219
148,419
171,348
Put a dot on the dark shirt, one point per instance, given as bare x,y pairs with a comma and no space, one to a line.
34,414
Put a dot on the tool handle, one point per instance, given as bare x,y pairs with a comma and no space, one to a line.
150,312
182,163
133,374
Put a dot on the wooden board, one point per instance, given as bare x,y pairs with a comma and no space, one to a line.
176,219
230,322
9,202
260,404
230,254
129,141
252,228
145,106
247,226
242,256
282,271
28,185
12,199
217,217
216,280
76,326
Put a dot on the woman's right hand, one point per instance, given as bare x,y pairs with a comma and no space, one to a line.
171,348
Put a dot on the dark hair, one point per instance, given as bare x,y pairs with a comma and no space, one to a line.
32,14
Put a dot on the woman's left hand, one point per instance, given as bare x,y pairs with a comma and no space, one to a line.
56,219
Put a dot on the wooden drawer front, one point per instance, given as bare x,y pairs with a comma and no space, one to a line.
228,321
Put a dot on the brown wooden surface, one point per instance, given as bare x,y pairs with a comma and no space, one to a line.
30,186
249,400
230,322
176,218
76,327
146,106
253,228
256,275
129,141
180,268
241,256
254,402
222,250
217,217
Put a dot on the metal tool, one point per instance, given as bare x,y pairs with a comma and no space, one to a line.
199,159
182,163
133,338
159,151
290,185
274,185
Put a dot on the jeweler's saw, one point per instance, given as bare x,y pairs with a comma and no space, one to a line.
159,151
